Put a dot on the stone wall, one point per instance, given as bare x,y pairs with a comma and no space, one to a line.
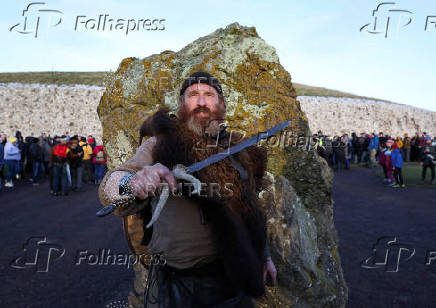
338,115
35,108
56,109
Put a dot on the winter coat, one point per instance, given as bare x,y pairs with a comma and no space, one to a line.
97,149
382,157
427,159
59,154
36,153
397,158
87,150
373,143
75,157
46,148
11,152
388,163
2,154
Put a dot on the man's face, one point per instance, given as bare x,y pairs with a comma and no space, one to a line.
201,106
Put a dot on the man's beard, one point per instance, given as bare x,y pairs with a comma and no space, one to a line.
202,125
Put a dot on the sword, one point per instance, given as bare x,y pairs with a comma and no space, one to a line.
204,163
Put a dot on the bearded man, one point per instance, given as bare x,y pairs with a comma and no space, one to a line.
214,245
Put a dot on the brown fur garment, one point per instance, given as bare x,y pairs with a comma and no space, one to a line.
237,221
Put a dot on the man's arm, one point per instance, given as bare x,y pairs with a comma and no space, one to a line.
108,191
145,180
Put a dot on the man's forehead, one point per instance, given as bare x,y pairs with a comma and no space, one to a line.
200,87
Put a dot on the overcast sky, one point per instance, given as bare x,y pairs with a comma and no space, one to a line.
319,42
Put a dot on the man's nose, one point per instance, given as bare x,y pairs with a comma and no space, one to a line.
201,100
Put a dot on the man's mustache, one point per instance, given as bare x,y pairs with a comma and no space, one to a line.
200,109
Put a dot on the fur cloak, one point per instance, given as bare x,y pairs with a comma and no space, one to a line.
237,219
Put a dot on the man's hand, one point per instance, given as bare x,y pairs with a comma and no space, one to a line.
146,180
269,273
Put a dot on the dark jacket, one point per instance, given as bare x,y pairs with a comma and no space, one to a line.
35,152
75,157
339,150
427,159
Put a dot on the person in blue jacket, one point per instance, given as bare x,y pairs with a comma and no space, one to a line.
2,154
373,147
397,164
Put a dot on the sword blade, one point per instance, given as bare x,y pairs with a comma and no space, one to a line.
236,148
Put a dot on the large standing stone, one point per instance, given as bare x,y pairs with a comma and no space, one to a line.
259,95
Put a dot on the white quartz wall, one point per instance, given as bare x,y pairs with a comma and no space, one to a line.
53,109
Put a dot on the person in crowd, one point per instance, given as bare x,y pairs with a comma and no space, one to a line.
428,161
354,146
414,153
397,165
2,158
421,142
88,172
372,148
91,142
44,141
382,161
23,147
339,153
388,162
59,163
399,142
361,148
36,158
75,156
406,147
347,141
99,162
426,137
12,159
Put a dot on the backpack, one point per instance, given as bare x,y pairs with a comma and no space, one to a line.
100,156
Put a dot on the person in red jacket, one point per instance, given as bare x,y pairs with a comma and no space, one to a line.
388,163
382,161
99,161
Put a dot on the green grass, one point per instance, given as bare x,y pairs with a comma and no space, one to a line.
97,79
412,175
58,78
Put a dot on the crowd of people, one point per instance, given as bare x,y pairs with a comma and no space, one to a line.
68,162
379,149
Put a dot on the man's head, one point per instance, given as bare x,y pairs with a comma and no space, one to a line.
63,140
201,104
380,134
3,138
73,143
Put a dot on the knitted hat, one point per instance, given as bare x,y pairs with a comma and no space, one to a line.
12,139
201,77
